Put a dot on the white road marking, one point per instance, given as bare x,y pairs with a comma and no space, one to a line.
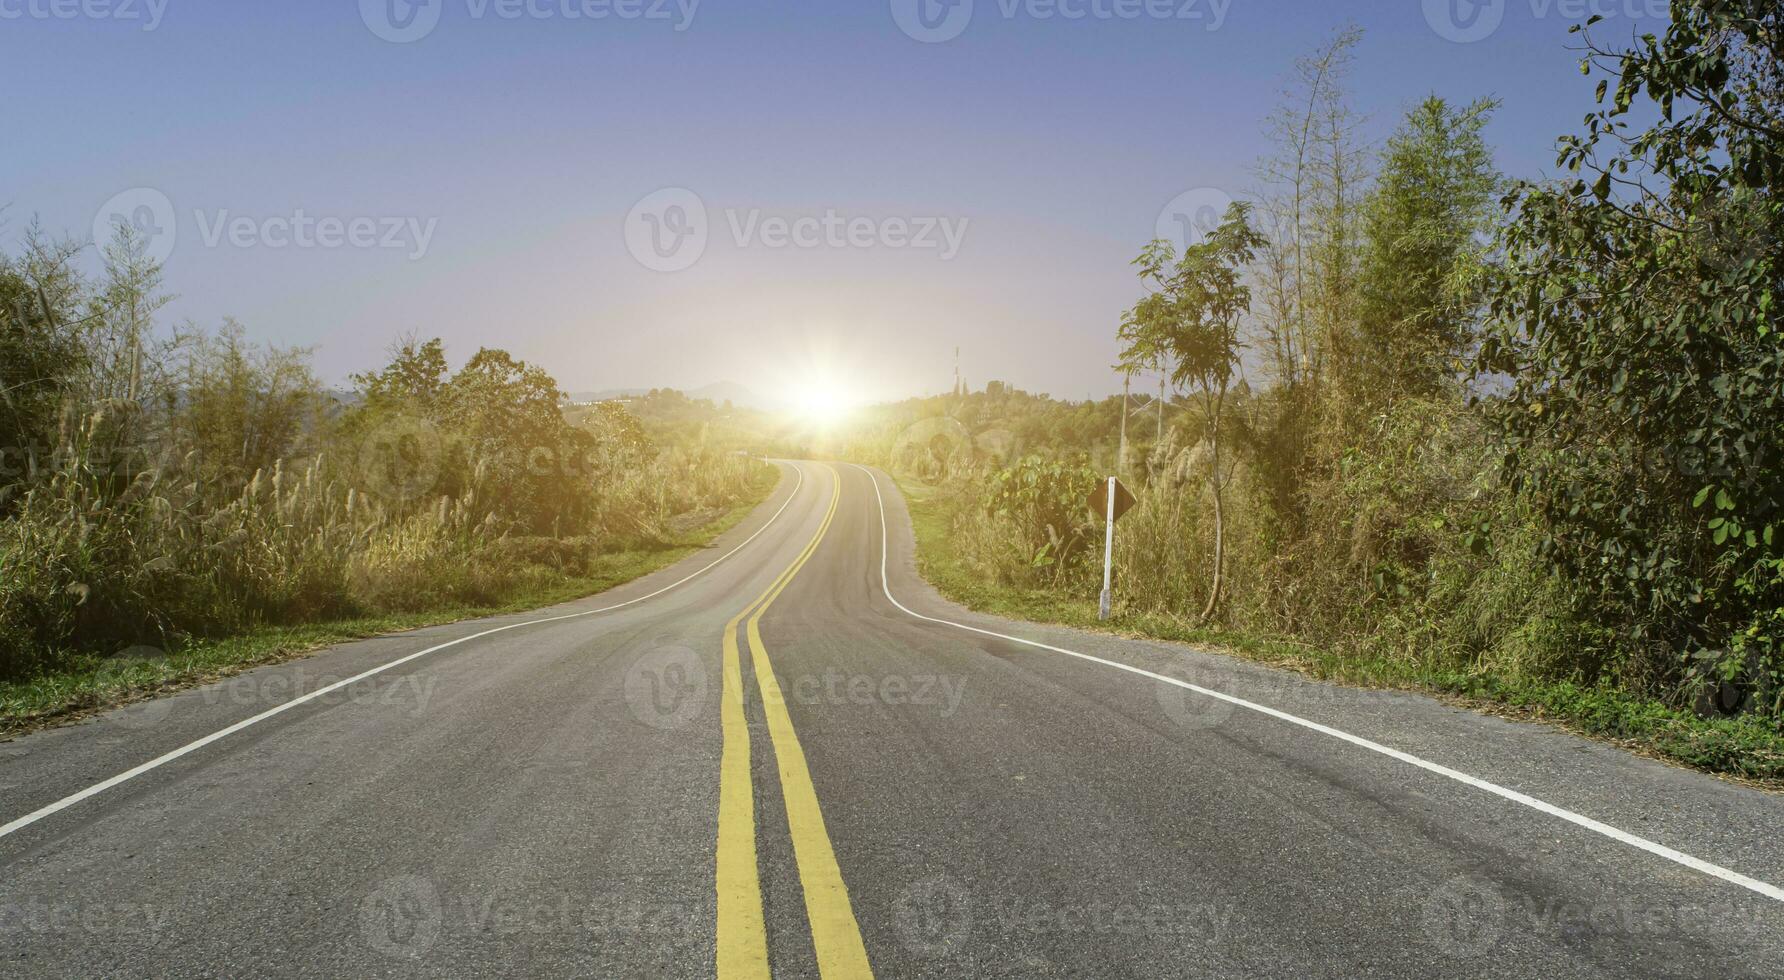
161,760
1660,850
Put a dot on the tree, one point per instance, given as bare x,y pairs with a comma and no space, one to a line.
1188,327
1433,201
416,374
42,357
1306,275
1312,179
239,407
1638,324
121,319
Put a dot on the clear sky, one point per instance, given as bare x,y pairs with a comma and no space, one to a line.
502,152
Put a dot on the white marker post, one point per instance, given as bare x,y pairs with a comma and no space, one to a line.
1106,606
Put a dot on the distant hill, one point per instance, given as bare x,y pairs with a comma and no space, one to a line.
718,393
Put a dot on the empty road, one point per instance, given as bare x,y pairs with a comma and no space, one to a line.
789,756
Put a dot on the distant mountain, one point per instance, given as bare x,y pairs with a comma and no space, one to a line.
608,395
730,391
718,393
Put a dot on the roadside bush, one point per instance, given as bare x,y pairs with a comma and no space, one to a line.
202,486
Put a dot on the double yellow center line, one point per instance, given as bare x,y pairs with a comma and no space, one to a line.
742,938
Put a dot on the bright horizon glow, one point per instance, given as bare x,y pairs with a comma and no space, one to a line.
823,400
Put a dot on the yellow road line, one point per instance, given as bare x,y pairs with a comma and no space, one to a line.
835,934
742,940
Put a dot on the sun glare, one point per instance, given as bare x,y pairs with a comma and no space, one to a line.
823,401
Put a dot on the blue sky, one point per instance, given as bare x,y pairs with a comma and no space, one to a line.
515,149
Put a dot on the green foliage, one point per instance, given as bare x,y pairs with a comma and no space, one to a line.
40,356
1188,325
236,408
197,485
1637,323
1432,203
1594,533
497,417
1042,502
1188,328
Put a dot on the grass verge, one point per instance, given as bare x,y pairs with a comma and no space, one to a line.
1746,748
93,683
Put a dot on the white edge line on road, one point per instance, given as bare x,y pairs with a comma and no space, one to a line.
1660,850
161,760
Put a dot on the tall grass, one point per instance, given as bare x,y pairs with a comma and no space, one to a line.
99,555
1413,552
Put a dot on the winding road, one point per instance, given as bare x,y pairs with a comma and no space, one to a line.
788,756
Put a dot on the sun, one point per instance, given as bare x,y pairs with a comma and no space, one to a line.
822,400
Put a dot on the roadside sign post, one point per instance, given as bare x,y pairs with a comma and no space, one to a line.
1112,500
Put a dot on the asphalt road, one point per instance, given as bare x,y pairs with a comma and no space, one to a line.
788,763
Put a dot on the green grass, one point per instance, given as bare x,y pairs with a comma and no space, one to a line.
1747,747
90,683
